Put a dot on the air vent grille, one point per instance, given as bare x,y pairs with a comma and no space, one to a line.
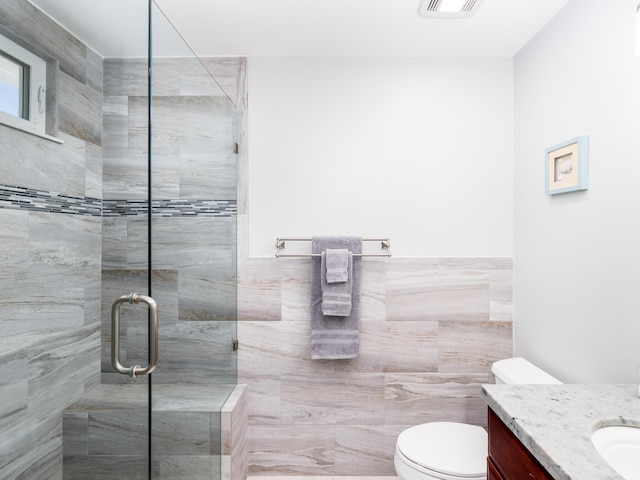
449,8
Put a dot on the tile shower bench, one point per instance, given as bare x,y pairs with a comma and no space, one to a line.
199,432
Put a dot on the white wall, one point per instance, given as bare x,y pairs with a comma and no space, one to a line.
418,150
577,255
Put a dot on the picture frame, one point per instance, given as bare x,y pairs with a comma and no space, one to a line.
567,166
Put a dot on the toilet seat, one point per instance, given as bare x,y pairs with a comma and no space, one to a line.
445,450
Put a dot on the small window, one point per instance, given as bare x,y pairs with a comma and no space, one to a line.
22,88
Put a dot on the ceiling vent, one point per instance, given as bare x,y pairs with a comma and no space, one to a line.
449,8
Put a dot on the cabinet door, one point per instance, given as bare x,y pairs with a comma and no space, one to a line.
510,456
492,473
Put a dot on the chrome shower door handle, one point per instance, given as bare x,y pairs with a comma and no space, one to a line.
134,370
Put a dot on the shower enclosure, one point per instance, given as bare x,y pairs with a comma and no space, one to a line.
169,233
162,172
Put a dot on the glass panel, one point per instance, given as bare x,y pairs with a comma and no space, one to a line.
168,230
11,87
125,259
194,177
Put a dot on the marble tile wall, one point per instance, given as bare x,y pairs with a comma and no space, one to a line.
193,280
50,251
194,170
199,432
431,327
235,430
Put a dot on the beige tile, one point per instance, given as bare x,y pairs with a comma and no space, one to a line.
501,295
193,467
291,450
296,289
341,398
45,165
93,173
14,245
440,295
243,131
473,346
411,399
277,348
165,173
259,290
374,477
225,72
79,110
365,450
263,398
207,293
395,347
124,172
208,172
196,79
114,242
125,76
115,121
181,433
291,477
182,120
373,289
234,433
242,240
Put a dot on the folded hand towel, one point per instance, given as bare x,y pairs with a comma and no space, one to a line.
335,337
336,297
337,263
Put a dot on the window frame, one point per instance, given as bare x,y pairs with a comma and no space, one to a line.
37,100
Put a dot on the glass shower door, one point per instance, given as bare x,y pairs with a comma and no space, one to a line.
170,233
193,250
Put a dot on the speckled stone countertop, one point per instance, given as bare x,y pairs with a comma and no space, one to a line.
555,423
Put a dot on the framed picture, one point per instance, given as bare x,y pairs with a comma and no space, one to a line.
567,166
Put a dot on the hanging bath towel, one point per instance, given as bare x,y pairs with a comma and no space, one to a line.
336,295
335,337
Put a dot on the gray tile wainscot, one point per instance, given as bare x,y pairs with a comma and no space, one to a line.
555,423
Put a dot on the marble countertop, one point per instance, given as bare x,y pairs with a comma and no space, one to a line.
555,423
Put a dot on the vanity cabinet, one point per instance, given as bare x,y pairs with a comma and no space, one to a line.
508,458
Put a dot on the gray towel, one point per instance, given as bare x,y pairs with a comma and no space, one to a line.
337,263
336,297
335,337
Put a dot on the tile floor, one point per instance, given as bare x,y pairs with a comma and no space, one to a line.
318,477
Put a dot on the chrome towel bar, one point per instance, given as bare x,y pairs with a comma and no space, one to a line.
385,244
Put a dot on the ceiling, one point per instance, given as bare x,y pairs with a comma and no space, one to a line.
281,28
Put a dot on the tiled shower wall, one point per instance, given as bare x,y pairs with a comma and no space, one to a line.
194,225
194,277
430,329
50,244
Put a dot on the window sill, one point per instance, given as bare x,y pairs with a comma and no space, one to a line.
33,132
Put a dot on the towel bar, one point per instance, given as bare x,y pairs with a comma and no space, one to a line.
385,244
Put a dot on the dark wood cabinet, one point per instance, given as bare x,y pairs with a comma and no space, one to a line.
508,458
492,473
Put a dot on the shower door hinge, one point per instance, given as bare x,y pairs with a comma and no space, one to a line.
236,344
236,147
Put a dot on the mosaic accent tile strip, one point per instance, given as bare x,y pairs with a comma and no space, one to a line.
171,208
42,201
18,198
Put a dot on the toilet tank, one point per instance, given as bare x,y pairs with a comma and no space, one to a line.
518,371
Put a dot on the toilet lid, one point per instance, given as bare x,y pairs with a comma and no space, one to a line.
456,449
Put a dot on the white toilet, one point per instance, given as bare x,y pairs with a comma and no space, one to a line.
457,451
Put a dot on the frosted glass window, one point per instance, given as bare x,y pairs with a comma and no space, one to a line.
23,78
12,91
